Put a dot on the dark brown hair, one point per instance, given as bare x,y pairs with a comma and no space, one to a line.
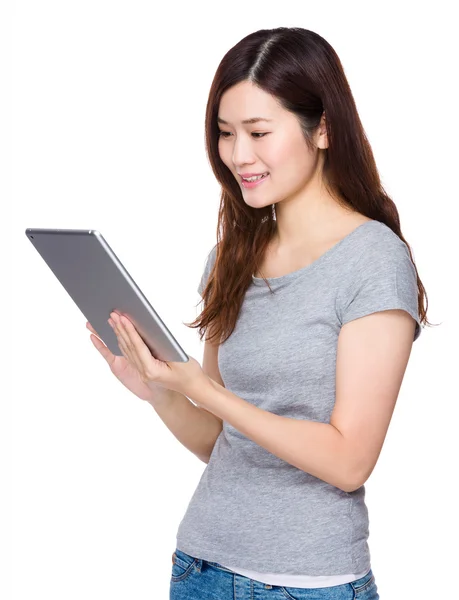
302,70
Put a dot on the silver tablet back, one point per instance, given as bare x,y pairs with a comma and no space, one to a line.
98,283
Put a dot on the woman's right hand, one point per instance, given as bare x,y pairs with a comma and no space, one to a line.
126,373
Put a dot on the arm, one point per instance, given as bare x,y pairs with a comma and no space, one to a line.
194,427
317,448
344,451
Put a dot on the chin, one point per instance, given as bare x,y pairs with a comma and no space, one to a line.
261,204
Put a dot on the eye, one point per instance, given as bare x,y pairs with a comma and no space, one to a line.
225,134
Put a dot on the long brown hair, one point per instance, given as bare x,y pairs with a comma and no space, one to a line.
302,70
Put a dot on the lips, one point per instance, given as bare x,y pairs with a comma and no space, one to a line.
246,176
251,174
255,183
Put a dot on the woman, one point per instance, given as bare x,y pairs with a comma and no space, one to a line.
312,301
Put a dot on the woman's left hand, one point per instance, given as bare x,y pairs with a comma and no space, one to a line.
188,378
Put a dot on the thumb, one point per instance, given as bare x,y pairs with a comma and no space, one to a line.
102,348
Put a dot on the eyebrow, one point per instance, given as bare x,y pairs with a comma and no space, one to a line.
246,121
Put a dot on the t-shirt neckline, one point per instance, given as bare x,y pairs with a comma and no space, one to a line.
315,263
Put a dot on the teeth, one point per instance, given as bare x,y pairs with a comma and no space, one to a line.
255,178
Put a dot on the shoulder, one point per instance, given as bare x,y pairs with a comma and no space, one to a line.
209,263
379,276
378,246
211,257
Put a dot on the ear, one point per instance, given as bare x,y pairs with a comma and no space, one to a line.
322,139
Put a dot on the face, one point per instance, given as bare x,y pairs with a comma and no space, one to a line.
276,147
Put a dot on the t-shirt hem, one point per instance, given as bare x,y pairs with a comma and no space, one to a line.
222,558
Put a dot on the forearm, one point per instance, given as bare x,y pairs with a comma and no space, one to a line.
194,427
314,447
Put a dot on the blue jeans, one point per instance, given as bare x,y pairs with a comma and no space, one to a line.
197,579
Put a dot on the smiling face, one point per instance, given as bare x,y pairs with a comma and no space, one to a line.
276,146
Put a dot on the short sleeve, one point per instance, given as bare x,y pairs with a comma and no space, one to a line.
210,260
384,278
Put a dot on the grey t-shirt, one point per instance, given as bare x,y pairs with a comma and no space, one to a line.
251,508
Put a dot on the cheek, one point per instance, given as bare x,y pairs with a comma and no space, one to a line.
294,160
279,153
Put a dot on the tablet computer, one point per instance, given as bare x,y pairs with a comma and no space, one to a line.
98,283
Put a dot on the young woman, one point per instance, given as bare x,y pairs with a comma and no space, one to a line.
312,303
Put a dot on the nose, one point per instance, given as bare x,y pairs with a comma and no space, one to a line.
243,153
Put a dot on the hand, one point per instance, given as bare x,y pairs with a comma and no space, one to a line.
188,378
126,373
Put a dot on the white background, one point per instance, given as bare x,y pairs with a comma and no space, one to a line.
107,132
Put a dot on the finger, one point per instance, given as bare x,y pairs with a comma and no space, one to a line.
119,329
91,328
102,348
123,349
125,344
139,348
